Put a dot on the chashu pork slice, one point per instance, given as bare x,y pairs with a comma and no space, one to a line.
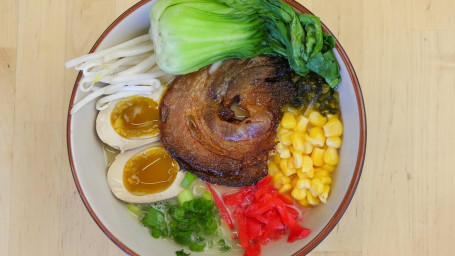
201,130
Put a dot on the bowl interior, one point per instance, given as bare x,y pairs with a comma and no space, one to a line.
89,170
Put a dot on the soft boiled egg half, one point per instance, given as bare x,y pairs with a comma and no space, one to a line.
130,122
144,175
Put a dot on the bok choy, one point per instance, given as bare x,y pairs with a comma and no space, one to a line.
190,34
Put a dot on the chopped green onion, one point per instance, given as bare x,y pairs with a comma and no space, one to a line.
134,209
185,196
188,180
207,195
182,253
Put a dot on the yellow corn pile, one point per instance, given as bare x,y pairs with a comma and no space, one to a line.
306,155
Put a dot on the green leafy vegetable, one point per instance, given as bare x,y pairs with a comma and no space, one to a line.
190,34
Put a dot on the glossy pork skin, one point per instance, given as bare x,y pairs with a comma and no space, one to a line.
201,131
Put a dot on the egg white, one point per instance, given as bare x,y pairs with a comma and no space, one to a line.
109,136
115,180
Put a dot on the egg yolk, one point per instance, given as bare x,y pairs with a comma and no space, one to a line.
150,171
136,116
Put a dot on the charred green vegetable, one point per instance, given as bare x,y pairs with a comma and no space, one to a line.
314,92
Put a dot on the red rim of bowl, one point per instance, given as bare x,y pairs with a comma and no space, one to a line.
360,157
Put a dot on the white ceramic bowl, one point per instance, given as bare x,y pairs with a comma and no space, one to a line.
89,170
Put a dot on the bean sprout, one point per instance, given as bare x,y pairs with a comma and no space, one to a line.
121,71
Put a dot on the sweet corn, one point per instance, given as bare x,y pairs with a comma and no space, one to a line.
331,156
334,142
288,121
276,176
311,199
326,180
298,159
291,149
276,158
294,179
316,187
303,183
317,119
304,175
318,156
281,181
304,202
285,188
328,167
281,130
280,147
333,128
307,148
307,163
325,194
317,141
273,168
318,172
305,155
330,116
297,141
285,138
285,153
301,124
298,194
287,170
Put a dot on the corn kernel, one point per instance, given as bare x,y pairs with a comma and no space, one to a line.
333,128
301,124
297,141
276,158
298,159
272,168
276,176
334,142
285,138
281,130
318,156
291,149
331,156
325,194
330,116
318,140
311,199
285,188
280,147
326,180
307,163
291,163
298,194
308,174
328,167
284,167
316,132
281,181
288,120
304,202
303,183
294,179
318,172
307,148
317,119
285,154
316,187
